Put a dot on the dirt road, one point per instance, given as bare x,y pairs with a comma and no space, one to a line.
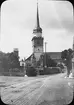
45,90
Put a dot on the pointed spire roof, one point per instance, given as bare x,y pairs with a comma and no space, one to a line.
38,24
37,28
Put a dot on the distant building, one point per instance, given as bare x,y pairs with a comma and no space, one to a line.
22,63
55,56
37,44
16,51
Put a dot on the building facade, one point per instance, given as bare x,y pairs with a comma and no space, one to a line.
38,42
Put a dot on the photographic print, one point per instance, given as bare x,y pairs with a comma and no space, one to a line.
37,52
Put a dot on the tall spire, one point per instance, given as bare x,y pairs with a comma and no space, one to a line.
38,25
37,28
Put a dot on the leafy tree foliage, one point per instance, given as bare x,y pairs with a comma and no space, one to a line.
67,56
50,62
13,61
3,62
8,61
31,71
46,60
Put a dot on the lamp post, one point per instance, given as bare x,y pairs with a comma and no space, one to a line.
45,54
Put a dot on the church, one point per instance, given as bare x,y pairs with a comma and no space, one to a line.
38,42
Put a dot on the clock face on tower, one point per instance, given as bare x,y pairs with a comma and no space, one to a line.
39,49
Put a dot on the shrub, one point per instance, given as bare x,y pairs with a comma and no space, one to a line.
52,70
41,72
31,71
60,65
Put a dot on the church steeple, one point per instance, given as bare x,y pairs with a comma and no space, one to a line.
37,29
37,40
38,24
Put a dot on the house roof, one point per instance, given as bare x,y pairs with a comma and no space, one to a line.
29,57
54,55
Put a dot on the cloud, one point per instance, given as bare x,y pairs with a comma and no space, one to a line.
52,14
19,18
66,24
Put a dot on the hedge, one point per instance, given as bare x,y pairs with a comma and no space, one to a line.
52,70
31,71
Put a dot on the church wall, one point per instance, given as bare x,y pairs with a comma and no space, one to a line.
37,55
38,49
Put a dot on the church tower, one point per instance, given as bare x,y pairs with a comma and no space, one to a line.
37,40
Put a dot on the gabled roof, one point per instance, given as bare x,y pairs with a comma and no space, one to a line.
29,57
53,55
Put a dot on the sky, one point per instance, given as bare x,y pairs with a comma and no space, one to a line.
18,19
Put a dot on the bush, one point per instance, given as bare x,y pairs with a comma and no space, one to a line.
41,72
52,70
31,71
60,65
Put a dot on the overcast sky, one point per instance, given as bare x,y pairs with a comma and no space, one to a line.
18,19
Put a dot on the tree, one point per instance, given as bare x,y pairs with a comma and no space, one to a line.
51,63
4,63
66,56
31,71
13,61
45,59
8,61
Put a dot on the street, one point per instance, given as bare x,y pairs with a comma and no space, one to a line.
41,90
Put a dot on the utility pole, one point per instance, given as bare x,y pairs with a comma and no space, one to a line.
45,54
